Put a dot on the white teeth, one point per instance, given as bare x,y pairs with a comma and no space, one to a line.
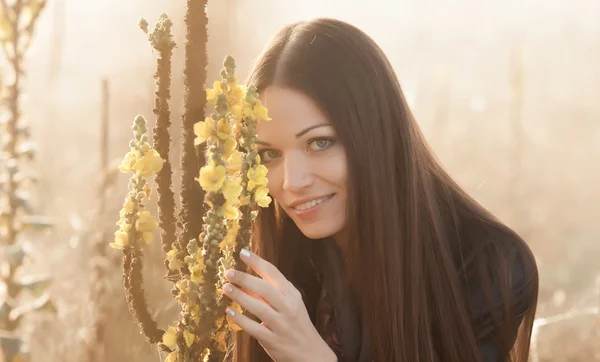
310,204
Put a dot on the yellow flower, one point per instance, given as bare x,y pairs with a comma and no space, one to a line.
189,337
237,111
236,95
196,272
121,240
172,357
145,222
148,237
220,339
212,94
174,263
195,312
232,233
203,130
260,111
238,126
223,129
128,206
149,163
230,146
257,176
230,211
128,162
232,190
169,339
261,196
234,162
211,177
183,287
219,322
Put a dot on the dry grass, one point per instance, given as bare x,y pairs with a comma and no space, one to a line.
458,79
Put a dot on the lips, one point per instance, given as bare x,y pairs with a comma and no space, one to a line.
312,203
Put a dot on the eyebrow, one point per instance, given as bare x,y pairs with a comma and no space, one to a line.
299,134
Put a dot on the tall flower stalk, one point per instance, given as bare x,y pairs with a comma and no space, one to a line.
228,180
137,225
17,23
162,41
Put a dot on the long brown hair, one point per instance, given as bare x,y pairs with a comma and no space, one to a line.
425,249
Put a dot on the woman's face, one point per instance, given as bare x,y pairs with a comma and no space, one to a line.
307,164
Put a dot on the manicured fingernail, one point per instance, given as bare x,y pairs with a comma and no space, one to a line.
230,312
228,289
230,273
245,253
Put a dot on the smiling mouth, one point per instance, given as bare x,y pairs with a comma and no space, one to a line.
309,205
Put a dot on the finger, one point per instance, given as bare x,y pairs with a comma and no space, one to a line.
266,270
261,310
253,328
256,286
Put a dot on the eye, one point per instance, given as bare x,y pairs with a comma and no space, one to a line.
320,144
268,155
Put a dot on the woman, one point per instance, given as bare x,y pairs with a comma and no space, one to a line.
370,252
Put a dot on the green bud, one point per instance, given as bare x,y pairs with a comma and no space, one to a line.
143,24
229,62
192,247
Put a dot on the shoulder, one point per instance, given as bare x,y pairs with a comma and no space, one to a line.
502,260
501,286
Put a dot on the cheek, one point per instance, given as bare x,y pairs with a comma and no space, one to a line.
275,181
336,169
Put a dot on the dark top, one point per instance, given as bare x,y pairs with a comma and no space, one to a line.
337,316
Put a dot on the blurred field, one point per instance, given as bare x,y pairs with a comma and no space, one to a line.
506,92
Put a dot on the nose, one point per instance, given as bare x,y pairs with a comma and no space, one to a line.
297,174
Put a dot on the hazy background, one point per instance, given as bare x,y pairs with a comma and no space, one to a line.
506,92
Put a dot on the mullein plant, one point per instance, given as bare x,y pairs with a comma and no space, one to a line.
100,261
229,181
17,22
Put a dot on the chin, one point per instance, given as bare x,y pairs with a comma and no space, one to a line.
319,231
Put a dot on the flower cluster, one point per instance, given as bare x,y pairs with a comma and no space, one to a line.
233,169
234,183
143,162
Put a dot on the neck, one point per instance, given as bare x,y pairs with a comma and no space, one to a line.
341,240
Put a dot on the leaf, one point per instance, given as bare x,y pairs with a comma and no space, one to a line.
26,149
38,223
13,253
36,285
41,304
21,199
5,308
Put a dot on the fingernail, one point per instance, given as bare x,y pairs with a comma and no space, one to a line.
228,289
230,273
245,253
230,312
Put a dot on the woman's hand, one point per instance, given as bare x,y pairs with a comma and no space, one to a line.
286,332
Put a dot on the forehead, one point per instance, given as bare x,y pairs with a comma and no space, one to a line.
291,112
